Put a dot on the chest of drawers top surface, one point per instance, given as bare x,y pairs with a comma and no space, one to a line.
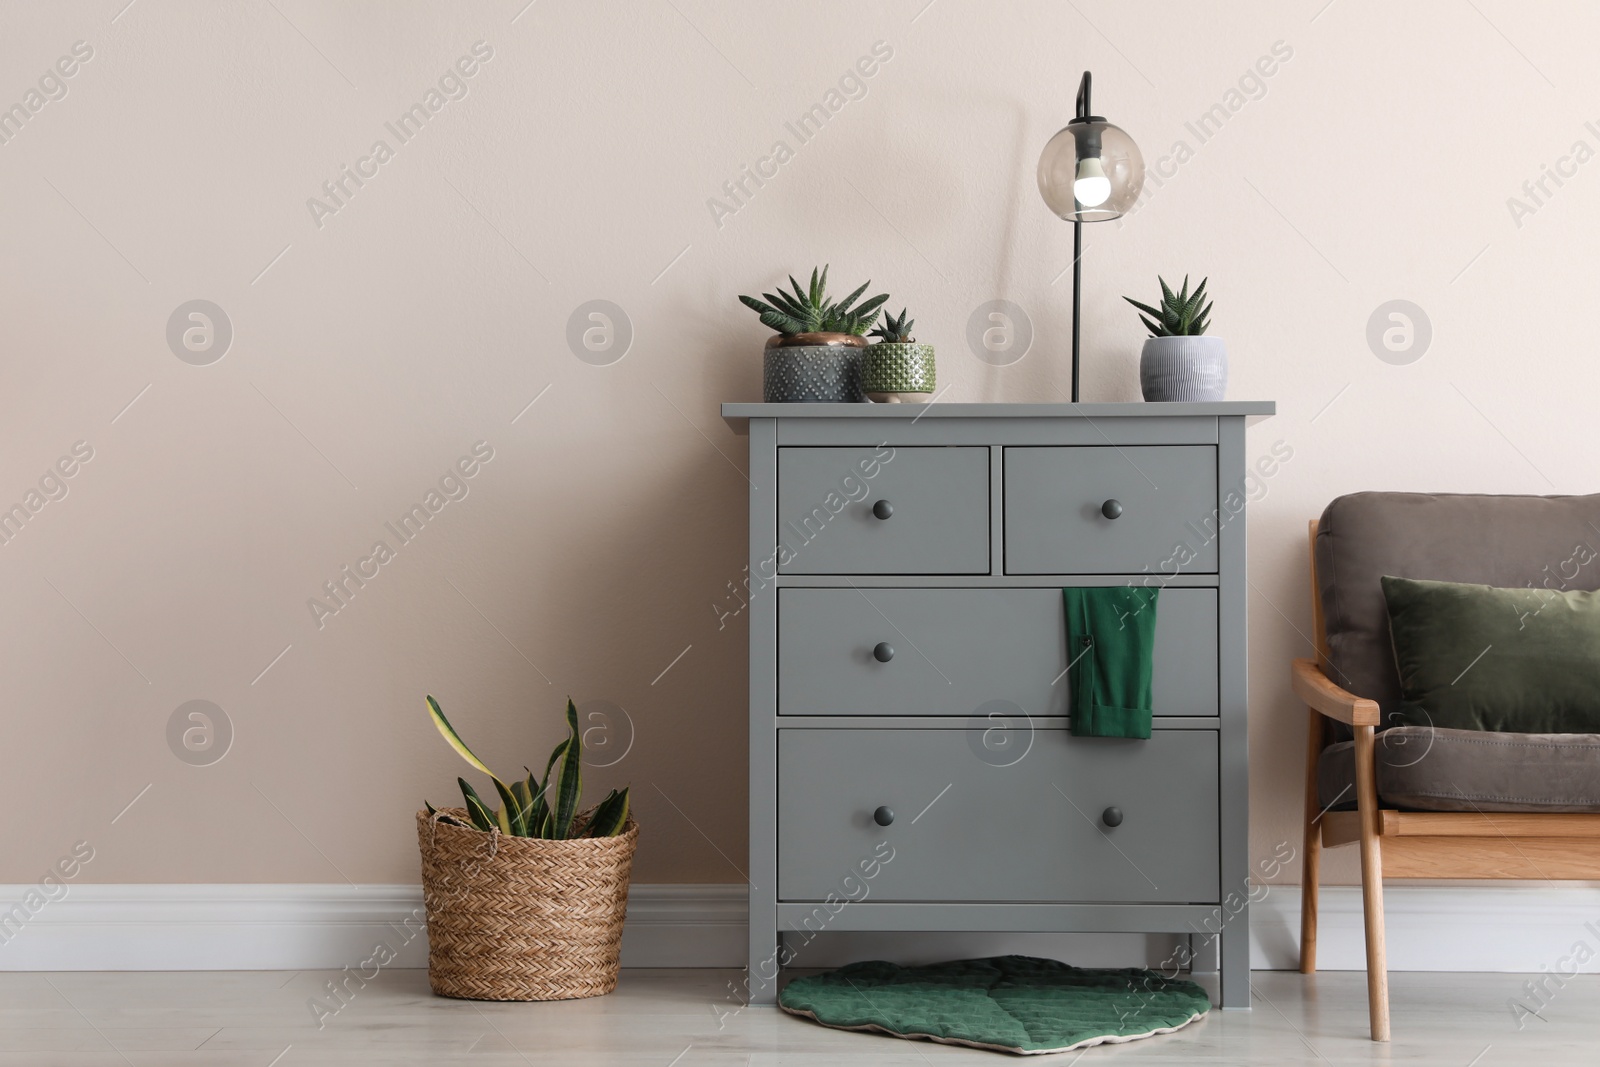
737,414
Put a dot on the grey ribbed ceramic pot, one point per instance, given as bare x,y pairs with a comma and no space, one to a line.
828,372
1175,369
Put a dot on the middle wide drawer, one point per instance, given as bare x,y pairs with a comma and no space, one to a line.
959,651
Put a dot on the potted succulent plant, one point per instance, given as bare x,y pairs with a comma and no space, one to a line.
897,368
1178,363
526,901
815,356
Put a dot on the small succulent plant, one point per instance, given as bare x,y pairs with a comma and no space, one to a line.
528,809
808,310
1180,315
896,329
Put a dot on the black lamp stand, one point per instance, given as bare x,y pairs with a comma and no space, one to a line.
1077,285
1083,114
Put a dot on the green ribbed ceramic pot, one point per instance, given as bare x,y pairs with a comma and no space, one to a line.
892,371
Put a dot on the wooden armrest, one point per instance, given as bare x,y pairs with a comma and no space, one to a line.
1317,690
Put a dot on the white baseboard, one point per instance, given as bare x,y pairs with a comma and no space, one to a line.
314,927
1516,928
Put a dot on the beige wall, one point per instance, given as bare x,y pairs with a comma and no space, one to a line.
1374,164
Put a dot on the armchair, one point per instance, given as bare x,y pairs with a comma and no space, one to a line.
1424,802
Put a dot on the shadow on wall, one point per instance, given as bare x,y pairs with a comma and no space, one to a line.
990,389
638,576
907,256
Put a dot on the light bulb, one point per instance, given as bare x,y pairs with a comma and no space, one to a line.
1090,172
1091,187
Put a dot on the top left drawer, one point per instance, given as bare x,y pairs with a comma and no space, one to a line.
884,510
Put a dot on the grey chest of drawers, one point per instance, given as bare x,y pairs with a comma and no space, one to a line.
911,761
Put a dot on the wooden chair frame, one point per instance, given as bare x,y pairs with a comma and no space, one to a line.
1410,844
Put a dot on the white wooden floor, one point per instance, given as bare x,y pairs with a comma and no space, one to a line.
671,1019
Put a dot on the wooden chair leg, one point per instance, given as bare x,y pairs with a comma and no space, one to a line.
1372,883
1311,848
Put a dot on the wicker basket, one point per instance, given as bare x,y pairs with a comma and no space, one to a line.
516,918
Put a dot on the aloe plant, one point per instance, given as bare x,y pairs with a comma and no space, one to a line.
896,330
1180,314
526,807
808,310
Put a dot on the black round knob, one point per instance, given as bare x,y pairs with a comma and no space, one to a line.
883,509
1111,816
1111,508
883,652
883,816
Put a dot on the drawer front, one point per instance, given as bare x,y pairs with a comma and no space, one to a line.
967,830
955,650
937,510
1055,523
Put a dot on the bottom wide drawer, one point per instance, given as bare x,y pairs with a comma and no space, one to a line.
970,819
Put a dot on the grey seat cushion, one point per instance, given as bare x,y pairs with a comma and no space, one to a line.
1423,768
1508,541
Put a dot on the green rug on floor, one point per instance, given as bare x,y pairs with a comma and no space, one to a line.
1005,1003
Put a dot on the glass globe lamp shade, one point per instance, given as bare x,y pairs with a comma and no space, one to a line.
1090,172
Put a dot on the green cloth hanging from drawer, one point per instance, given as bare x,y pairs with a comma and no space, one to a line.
1111,639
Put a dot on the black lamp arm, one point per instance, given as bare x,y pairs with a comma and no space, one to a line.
1084,109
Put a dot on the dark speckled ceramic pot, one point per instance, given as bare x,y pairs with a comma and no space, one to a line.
813,368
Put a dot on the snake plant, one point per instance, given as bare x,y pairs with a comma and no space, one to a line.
1180,314
527,807
808,310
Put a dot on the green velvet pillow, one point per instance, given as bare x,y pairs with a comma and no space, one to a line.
1474,657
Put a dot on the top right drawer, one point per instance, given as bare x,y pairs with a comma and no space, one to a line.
1109,509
